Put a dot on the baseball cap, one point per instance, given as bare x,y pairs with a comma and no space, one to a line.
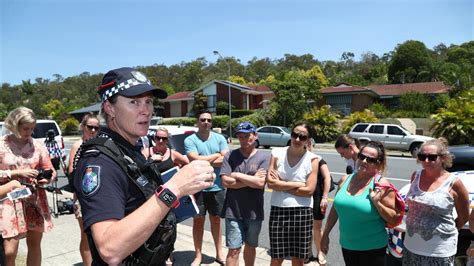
245,127
127,81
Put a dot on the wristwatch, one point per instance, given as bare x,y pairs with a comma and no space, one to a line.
167,196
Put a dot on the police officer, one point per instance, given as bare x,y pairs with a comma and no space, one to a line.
124,205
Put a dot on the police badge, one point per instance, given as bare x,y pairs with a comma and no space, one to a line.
91,179
139,76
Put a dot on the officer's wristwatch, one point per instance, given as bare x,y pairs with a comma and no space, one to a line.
167,196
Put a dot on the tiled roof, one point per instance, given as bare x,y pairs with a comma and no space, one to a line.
179,95
391,89
422,87
259,88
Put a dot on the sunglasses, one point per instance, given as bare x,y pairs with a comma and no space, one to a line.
431,157
92,128
299,136
203,120
371,160
161,138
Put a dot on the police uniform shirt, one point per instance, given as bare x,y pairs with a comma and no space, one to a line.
104,191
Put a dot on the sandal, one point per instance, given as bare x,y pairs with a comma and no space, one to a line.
219,261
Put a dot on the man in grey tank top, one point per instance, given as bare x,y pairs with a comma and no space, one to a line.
243,174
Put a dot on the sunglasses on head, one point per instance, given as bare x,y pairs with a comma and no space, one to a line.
431,157
92,127
299,136
372,160
205,120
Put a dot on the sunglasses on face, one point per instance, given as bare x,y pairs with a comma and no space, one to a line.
203,120
299,136
161,138
431,157
92,128
371,160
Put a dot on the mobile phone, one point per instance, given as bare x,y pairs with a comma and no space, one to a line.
19,193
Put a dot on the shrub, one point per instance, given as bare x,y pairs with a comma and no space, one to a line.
239,113
69,126
379,110
221,121
359,117
185,121
325,123
456,121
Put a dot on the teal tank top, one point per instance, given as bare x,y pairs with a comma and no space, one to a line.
360,225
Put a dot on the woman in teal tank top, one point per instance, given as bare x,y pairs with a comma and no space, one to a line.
362,211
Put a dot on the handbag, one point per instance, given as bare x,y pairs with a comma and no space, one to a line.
399,203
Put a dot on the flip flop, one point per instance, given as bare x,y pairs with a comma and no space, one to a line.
220,262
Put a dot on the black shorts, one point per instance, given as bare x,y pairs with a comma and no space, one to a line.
212,202
373,257
317,197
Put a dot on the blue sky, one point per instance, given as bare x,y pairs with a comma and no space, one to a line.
40,38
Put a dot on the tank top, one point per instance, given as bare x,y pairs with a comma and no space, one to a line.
360,225
430,226
166,164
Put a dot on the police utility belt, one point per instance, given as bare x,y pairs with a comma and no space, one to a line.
147,178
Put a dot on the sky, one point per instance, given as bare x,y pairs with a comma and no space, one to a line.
40,38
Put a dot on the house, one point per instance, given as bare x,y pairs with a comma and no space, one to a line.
242,97
95,109
347,98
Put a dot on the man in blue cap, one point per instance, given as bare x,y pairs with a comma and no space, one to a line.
243,173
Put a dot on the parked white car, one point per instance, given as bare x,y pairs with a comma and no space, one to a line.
392,136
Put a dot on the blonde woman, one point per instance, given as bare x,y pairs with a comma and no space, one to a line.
22,157
431,228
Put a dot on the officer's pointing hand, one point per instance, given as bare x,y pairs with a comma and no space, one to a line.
193,178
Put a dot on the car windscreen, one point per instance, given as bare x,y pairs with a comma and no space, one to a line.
41,130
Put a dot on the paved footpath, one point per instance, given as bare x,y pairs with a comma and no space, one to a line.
61,245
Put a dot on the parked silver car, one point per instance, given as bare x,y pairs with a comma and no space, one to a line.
273,136
392,136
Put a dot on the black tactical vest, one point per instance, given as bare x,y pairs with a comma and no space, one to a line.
147,178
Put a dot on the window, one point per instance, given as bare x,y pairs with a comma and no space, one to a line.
276,130
376,129
391,130
265,130
211,103
360,128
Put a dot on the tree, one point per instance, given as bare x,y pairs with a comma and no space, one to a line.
408,60
296,92
200,102
415,104
456,121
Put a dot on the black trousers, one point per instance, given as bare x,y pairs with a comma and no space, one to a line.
373,257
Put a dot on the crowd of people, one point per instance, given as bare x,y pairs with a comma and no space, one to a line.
123,207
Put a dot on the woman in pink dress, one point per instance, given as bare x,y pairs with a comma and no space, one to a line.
20,159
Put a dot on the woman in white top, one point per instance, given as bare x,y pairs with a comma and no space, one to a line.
292,176
431,228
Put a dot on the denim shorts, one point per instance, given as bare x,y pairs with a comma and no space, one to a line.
240,231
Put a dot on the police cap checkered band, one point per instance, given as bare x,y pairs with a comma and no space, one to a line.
127,82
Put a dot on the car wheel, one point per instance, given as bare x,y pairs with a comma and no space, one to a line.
289,143
415,149
257,144
266,147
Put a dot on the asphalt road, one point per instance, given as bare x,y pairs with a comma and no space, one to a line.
398,172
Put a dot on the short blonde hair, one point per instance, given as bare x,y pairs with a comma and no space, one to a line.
164,129
17,117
